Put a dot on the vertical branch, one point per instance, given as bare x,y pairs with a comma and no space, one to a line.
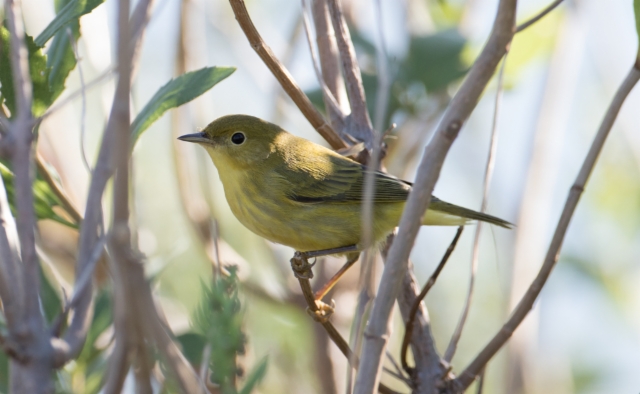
382,71
22,137
91,227
329,61
330,102
526,303
458,111
361,124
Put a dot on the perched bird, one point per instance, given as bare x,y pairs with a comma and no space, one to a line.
297,193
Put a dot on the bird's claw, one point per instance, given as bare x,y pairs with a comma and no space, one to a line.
324,311
301,266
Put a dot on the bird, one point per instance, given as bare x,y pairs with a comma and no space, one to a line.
294,192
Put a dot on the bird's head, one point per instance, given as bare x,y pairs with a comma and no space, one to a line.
237,140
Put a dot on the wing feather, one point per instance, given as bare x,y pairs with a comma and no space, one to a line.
333,178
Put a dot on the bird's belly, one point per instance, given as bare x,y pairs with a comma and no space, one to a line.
307,227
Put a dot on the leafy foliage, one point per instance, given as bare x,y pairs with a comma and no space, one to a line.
61,59
42,95
219,321
73,10
176,92
44,198
432,63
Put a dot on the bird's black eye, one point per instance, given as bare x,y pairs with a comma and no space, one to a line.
238,138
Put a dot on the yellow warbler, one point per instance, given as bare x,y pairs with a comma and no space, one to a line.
297,193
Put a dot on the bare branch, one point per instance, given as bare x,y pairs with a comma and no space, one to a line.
458,111
488,174
415,307
329,61
360,127
382,71
539,16
21,134
331,103
118,123
19,60
526,303
283,76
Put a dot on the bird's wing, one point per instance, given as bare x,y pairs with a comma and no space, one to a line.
332,178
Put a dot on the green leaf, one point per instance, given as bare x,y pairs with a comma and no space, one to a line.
44,199
61,59
255,376
42,95
192,344
435,60
69,13
176,92
102,319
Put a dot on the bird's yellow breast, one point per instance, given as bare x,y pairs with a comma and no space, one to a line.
267,211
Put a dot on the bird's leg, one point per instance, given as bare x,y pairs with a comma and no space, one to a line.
300,261
352,258
302,270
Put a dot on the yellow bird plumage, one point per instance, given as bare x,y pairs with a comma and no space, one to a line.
294,192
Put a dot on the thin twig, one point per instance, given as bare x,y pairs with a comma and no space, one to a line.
83,90
526,303
106,74
539,16
382,71
488,174
458,111
67,205
321,314
87,274
416,304
284,77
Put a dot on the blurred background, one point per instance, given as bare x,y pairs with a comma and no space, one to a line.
583,335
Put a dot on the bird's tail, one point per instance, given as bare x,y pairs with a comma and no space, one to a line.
442,213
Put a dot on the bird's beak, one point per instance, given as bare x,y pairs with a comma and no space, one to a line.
195,137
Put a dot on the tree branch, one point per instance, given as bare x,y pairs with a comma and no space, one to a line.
526,303
284,77
329,61
458,111
539,16
359,126
488,174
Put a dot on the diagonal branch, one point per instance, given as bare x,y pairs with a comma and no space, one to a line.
539,16
458,111
526,303
284,77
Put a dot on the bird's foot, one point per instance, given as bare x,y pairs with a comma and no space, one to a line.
324,311
301,266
